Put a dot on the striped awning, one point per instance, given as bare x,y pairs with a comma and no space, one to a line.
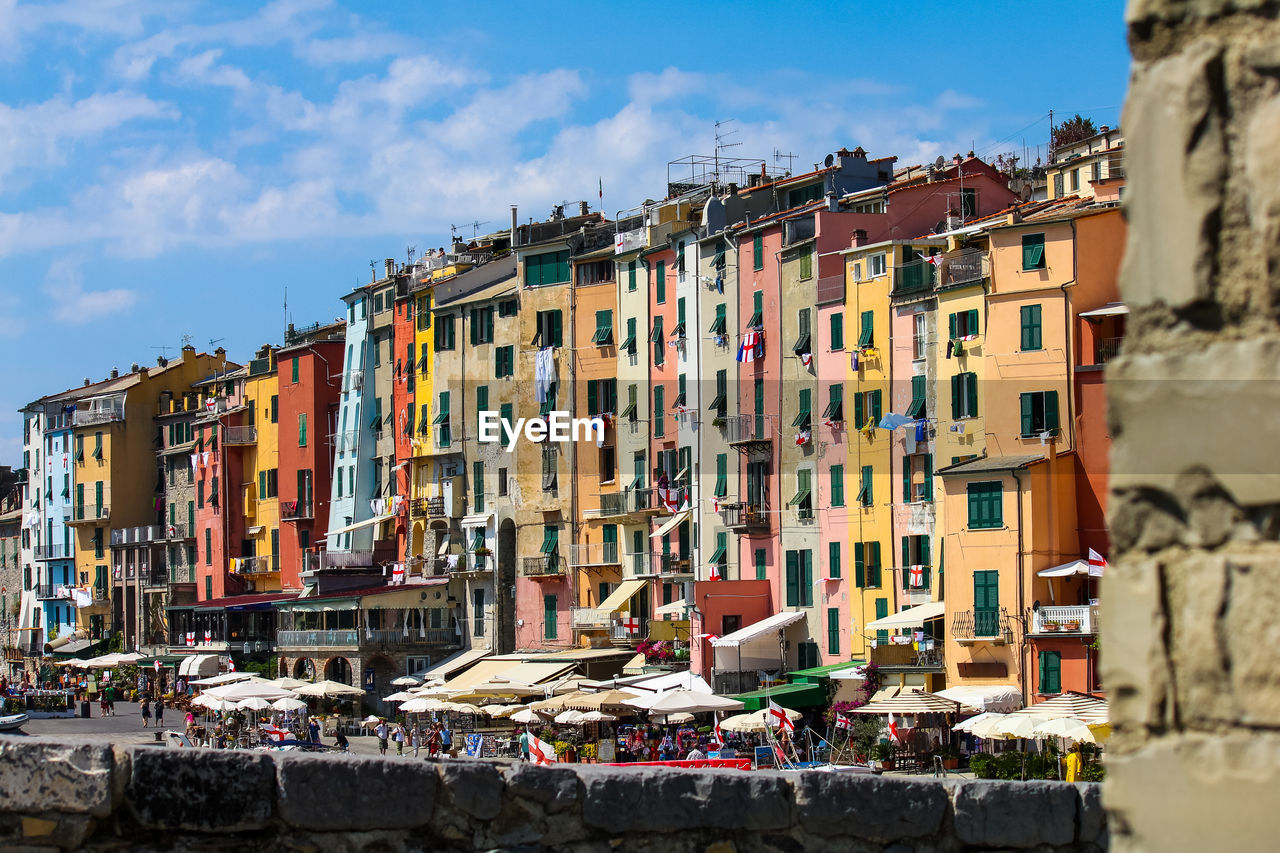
911,702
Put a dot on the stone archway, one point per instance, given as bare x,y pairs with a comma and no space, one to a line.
304,669
338,669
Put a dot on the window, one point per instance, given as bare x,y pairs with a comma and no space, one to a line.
482,404
631,276
866,565
633,395
986,603
918,331
1033,252
917,477
917,407
804,415
804,195
834,568
968,202
803,500
757,310
876,266
97,446
659,415
208,546
97,542
660,281
835,403
295,368
199,494
680,400
1050,672
855,271
757,252
1039,413
549,617
508,308
629,343
720,557
678,331
602,396
867,408
837,331
477,612
375,423
268,483
865,493
444,335
424,314
608,463
477,489
1095,171
720,403
442,420
1031,337
799,578
547,268
964,395
985,510
718,325
595,272
915,552
837,485
506,413
802,338
761,564
1057,185
502,482
481,325
867,334
833,627
504,362
549,333
806,266
1075,180
655,337
604,328
722,475
963,324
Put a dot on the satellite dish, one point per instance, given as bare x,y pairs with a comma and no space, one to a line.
831,158
939,163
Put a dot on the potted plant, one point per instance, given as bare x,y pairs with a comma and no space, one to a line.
882,752
718,422
1071,625
1051,627
950,756
482,551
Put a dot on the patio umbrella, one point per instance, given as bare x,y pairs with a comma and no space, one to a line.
225,678
558,703
399,696
569,717
692,702
331,689
618,700
406,681
602,717
911,702
245,689
988,728
1073,729
673,719
420,705
968,725
1076,705
286,683
288,704
1008,726
213,703
370,721
253,703
463,708
756,721
497,711
527,716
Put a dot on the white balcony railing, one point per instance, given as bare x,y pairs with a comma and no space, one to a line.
1074,619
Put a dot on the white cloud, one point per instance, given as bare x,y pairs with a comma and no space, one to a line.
75,306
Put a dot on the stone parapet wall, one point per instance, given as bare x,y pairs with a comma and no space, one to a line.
96,797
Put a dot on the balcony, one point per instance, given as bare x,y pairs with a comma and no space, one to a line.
86,514
588,618
1106,349
53,552
1073,621
547,565
749,432
638,564
982,626
312,639
346,559
745,517
905,657
627,241
427,508
595,554
913,277
141,535
973,265
53,592
179,572
240,435
100,415
296,511
260,565
627,630
427,637
345,441
156,577
673,564
624,503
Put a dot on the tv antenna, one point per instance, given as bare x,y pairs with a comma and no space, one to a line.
778,157
213,342
475,227
164,351
721,144
411,251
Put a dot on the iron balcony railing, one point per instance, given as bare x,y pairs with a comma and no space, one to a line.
51,591
52,552
240,435
673,564
982,624
595,554
914,277
637,563
346,559
86,513
296,510
100,415
146,533
745,516
427,507
1106,349
542,566
410,637
744,428
311,639
967,266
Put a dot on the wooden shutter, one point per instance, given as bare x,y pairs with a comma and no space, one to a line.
556,336
928,476
971,394
955,395
859,565
793,579
951,326
858,420
873,564
1050,409
1027,413
973,322
833,630
593,398
906,554
906,479
833,560
806,578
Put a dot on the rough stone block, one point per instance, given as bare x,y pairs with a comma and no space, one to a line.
638,800
353,793
202,790
1015,814
475,787
45,776
1091,822
871,807
1135,668
555,788
1251,634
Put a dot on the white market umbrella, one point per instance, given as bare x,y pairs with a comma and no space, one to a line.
247,689
496,711
213,703
286,683
330,689
370,721
225,678
756,721
253,703
1073,729
527,716
568,718
1007,726
692,702
675,719
289,704
418,705
406,681
399,696
601,717
462,708
969,724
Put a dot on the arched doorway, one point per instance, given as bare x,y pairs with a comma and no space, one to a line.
304,669
504,588
338,669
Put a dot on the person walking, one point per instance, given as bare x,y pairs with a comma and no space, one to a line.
398,737
146,712
415,739
1073,762
524,744
446,739
381,732
104,708
159,709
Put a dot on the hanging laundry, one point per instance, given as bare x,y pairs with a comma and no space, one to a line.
715,573
715,503
368,629
544,369
204,458
958,348
806,358
951,345
957,428
832,424
195,461
853,360
422,623
921,431
802,437
892,421
747,352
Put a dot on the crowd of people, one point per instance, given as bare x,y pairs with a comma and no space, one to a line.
435,738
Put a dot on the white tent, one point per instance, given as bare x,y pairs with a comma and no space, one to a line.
198,665
248,689
755,646
330,689
1001,698
225,678
692,702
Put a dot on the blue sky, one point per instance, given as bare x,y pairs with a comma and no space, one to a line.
169,167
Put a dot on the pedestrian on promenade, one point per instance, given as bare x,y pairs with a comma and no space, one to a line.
415,739
381,732
1073,762
104,708
146,712
313,730
446,739
433,740
524,744
111,699
398,737
160,712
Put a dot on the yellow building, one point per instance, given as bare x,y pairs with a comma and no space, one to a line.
260,465
417,372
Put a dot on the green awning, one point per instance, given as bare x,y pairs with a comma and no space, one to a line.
802,345
629,410
477,541
793,696
834,410
756,320
677,331
817,674
629,343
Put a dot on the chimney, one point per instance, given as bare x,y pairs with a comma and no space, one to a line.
584,209
220,353
957,160
515,228
733,188
115,373
390,264
86,381
188,348
833,203
263,351
1103,129
860,237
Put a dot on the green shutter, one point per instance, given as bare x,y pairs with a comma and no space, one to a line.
833,630
722,475
806,578
859,564
873,564
951,326
1031,332
906,479
761,570
1050,410
549,610
593,398
882,610
793,579
1027,413
660,281
557,336
928,476
971,394
295,368
876,410
924,554
867,496
757,251
833,559
837,331
906,554
718,325
837,485
866,337
1032,251
631,275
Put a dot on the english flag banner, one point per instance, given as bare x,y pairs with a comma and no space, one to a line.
540,751
778,716
1097,564
893,731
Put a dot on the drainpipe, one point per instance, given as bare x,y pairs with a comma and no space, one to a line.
1022,646
575,527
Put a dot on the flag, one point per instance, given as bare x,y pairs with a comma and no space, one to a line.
917,576
157,665
802,437
778,716
601,180
1097,564
893,730
208,637
930,259
706,637
273,732
842,722
853,359
231,665
750,346
715,573
540,751
806,358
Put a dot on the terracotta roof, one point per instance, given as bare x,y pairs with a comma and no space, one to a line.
242,601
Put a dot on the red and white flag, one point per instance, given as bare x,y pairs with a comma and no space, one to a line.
273,732
842,722
917,576
231,665
208,637
749,351
540,751
1097,564
715,573
157,666
893,730
802,437
718,734
806,358
706,637
778,716
632,624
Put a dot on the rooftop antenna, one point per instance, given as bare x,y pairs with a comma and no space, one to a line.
778,157
722,144
410,252
186,339
164,351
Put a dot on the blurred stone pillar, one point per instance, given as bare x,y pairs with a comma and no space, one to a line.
1191,606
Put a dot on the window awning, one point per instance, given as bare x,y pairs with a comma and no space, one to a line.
630,342
755,631
717,402
444,545
475,519
793,696
1111,309
477,541
755,320
670,525
802,345
368,522
621,597
629,410
1075,567
441,418
913,617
